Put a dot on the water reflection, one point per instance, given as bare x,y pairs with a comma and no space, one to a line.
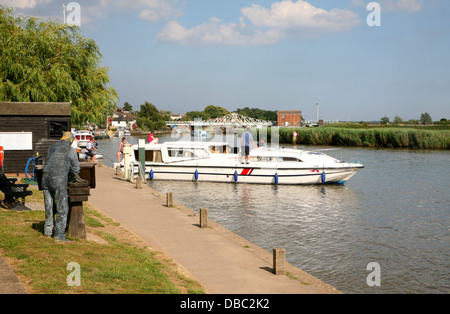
394,212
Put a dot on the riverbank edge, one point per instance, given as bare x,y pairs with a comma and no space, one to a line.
292,271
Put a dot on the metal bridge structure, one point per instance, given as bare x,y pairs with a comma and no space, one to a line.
233,119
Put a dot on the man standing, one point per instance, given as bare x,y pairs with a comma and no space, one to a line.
61,159
246,141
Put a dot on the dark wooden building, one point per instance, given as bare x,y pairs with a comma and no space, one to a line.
30,128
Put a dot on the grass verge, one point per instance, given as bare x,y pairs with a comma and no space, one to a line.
112,260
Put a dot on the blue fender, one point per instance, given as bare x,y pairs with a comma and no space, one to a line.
236,176
276,178
151,174
196,174
323,177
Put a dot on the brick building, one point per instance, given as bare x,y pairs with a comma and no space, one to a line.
290,118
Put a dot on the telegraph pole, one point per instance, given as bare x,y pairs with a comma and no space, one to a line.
317,107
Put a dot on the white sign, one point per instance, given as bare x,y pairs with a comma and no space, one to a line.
16,140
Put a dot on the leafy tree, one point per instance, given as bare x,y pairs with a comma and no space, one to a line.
425,118
257,113
215,112
397,119
192,115
127,106
149,117
45,61
384,120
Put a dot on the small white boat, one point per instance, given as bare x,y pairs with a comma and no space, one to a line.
81,138
216,162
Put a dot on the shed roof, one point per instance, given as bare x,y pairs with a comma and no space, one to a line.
35,109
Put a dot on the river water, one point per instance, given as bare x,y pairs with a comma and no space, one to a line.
395,212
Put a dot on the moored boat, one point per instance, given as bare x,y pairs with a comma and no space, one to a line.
218,162
81,138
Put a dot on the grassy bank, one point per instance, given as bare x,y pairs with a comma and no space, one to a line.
388,137
112,261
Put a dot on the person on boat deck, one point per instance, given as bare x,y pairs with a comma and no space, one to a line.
246,141
121,145
90,149
152,139
262,143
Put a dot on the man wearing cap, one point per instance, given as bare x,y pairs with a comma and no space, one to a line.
61,159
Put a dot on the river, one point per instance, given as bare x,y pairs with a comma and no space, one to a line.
395,212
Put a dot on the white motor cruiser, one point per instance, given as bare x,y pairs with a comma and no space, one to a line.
217,162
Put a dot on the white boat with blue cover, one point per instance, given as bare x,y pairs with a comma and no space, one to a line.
216,162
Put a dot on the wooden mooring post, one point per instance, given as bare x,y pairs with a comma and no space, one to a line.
203,217
279,261
169,199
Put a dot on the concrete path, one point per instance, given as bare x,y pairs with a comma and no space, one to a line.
221,261
9,283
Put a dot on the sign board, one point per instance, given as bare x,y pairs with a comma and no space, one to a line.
16,140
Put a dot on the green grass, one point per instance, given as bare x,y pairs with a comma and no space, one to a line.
115,266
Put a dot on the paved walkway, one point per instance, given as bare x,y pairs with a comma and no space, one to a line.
9,284
221,261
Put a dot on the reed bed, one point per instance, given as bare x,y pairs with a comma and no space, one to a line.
368,137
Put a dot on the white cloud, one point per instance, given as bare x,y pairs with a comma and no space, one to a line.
148,10
299,15
266,26
23,4
151,10
402,5
216,32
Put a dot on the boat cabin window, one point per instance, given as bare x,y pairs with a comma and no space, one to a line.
275,159
221,149
186,152
150,155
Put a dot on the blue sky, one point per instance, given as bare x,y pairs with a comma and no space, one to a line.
274,55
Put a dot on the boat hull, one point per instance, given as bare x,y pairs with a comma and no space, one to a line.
252,174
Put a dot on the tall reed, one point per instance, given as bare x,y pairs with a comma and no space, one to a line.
368,137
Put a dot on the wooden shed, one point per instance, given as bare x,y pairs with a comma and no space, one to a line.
30,128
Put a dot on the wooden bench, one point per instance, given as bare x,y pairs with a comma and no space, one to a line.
13,192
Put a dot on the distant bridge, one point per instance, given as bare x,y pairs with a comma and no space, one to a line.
234,119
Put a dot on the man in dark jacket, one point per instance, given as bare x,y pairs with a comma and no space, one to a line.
61,159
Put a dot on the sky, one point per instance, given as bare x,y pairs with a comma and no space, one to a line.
359,60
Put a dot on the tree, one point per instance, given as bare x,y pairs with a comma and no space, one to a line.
397,119
45,61
192,115
149,117
127,106
215,112
425,118
384,120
